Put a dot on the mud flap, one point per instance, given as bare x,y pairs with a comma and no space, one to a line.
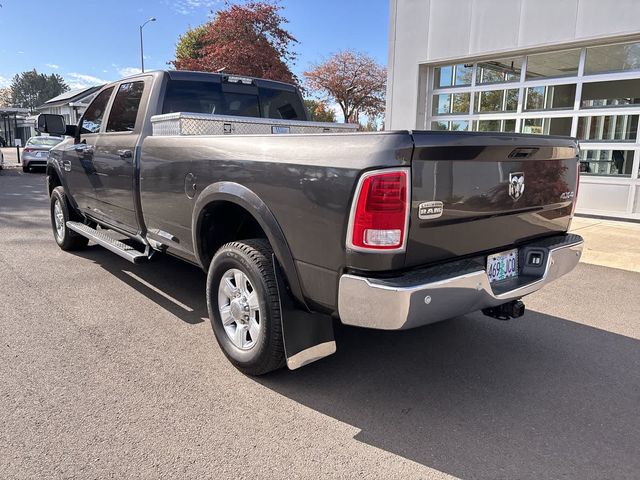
307,336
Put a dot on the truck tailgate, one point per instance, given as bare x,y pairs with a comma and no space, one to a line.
476,192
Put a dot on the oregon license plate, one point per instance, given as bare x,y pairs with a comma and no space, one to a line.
503,265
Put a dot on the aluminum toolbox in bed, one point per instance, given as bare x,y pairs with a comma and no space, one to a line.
181,123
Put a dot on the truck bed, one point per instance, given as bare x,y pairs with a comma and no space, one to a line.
308,183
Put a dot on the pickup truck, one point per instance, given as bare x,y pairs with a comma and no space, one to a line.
299,224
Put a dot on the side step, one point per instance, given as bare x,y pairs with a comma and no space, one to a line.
115,246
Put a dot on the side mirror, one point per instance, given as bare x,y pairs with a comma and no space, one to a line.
51,124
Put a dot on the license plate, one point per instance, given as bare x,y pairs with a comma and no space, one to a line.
39,154
503,265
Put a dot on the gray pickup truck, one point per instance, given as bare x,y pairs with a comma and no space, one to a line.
298,223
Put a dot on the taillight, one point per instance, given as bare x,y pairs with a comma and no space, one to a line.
380,212
27,149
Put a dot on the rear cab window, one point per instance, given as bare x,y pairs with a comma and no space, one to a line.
234,98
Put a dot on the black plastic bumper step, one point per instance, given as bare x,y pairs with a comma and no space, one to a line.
125,251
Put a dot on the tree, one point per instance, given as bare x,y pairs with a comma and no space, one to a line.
31,89
190,44
244,39
319,111
5,97
353,80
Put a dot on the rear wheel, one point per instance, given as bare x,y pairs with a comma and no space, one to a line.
244,307
25,168
61,213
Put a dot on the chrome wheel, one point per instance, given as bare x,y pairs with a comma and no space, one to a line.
58,217
239,309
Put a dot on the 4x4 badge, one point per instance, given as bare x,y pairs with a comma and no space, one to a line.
429,210
516,185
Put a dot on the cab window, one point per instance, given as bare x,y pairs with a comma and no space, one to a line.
92,119
124,110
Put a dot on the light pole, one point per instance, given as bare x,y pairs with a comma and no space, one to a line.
152,19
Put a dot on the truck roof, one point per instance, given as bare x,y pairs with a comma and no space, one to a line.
217,78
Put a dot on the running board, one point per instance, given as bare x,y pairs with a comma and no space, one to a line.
115,246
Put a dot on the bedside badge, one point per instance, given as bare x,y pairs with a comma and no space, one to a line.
430,210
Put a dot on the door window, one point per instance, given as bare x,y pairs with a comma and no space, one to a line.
92,119
124,110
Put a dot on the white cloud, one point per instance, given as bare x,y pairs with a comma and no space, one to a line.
4,82
128,71
81,80
19,52
187,7
52,65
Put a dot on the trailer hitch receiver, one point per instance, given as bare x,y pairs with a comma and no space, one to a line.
506,311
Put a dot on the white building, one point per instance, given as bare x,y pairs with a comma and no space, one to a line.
565,67
71,105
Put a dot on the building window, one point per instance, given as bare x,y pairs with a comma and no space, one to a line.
508,125
607,162
550,98
453,75
612,58
549,93
447,103
455,126
554,64
499,71
496,101
608,128
618,93
548,126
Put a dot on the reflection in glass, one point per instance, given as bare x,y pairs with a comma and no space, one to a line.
453,75
441,104
496,101
508,125
608,128
612,58
551,97
455,125
459,125
447,103
554,64
606,162
548,126
610,94
498,71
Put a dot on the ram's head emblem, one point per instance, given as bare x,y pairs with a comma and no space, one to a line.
516,185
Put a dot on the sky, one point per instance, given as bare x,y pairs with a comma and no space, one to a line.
90,42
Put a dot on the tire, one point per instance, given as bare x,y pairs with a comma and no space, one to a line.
61,213
25,168
253,259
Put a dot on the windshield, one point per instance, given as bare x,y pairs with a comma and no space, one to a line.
44,141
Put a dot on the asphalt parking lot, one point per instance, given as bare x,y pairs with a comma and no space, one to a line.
111,370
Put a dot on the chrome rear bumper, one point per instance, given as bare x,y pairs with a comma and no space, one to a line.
446,291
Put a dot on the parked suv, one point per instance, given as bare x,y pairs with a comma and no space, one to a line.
36,151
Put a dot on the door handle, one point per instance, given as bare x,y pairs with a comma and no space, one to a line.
125,153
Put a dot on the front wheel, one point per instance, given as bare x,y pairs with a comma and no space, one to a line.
244,307
61,213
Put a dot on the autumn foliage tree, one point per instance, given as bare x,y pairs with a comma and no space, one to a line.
319,111
353,80
248,39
